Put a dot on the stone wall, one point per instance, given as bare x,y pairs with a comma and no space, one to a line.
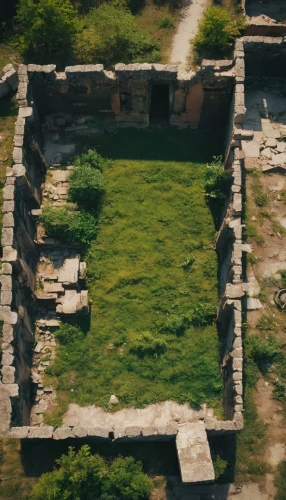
8,80
42,90
21,194
123,97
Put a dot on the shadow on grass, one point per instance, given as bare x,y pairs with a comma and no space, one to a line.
158,458
168,144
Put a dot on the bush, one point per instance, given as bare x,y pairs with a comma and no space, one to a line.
147,346
176,324
111,35
204,314
217,180
80,475
86,187
68,333
216,31
220,466
92,159
69,225
48,29
264,351
166,22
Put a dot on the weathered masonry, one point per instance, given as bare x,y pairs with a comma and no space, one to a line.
136,94
83,99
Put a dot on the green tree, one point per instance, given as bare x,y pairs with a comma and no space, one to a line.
111,35
217,30
83,476
48,28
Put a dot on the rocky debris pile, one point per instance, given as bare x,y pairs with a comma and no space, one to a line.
56,186
60,278
43,355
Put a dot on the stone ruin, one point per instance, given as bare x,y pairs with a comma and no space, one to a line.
86,99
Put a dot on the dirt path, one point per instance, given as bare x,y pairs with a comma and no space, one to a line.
191,15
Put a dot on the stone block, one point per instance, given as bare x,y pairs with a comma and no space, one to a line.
237,364
13,390
237,376
7,333
98,432
8,193
7,359
18,155
9,254
149,431
238,388
7,237
19,432
80,432
172,429
27,113
119,432
8,220
6,282
8,374
237,352
6,298
41,432
133,431
62,433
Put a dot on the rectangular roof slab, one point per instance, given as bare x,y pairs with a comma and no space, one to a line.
194,453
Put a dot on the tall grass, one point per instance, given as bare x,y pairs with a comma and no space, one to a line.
154,218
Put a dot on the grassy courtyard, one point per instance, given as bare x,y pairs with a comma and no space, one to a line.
152,278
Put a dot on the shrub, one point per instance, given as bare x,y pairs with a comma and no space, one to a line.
176,324
220,466
86,186
147,346
80,475
280,481
69,225
166,22
93,159
217,180
48,28
111,35
216,30
68,333
204,314
264,351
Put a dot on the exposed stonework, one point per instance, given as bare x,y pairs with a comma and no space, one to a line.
8,80
42,89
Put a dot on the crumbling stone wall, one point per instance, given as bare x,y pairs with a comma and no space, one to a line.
123,97
8,80
42,90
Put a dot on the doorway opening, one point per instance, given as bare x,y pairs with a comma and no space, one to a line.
159,107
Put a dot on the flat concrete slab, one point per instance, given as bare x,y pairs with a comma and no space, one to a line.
194,453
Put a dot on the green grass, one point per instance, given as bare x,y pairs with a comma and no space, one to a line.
154,218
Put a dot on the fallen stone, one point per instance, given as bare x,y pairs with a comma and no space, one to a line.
194,453
250,148
113,400
279,159
271,143
281,146
267,153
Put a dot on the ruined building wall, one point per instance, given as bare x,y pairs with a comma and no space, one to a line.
124,97
195,100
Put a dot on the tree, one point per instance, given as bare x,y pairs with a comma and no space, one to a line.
48,28
217,30
83,476
111,35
